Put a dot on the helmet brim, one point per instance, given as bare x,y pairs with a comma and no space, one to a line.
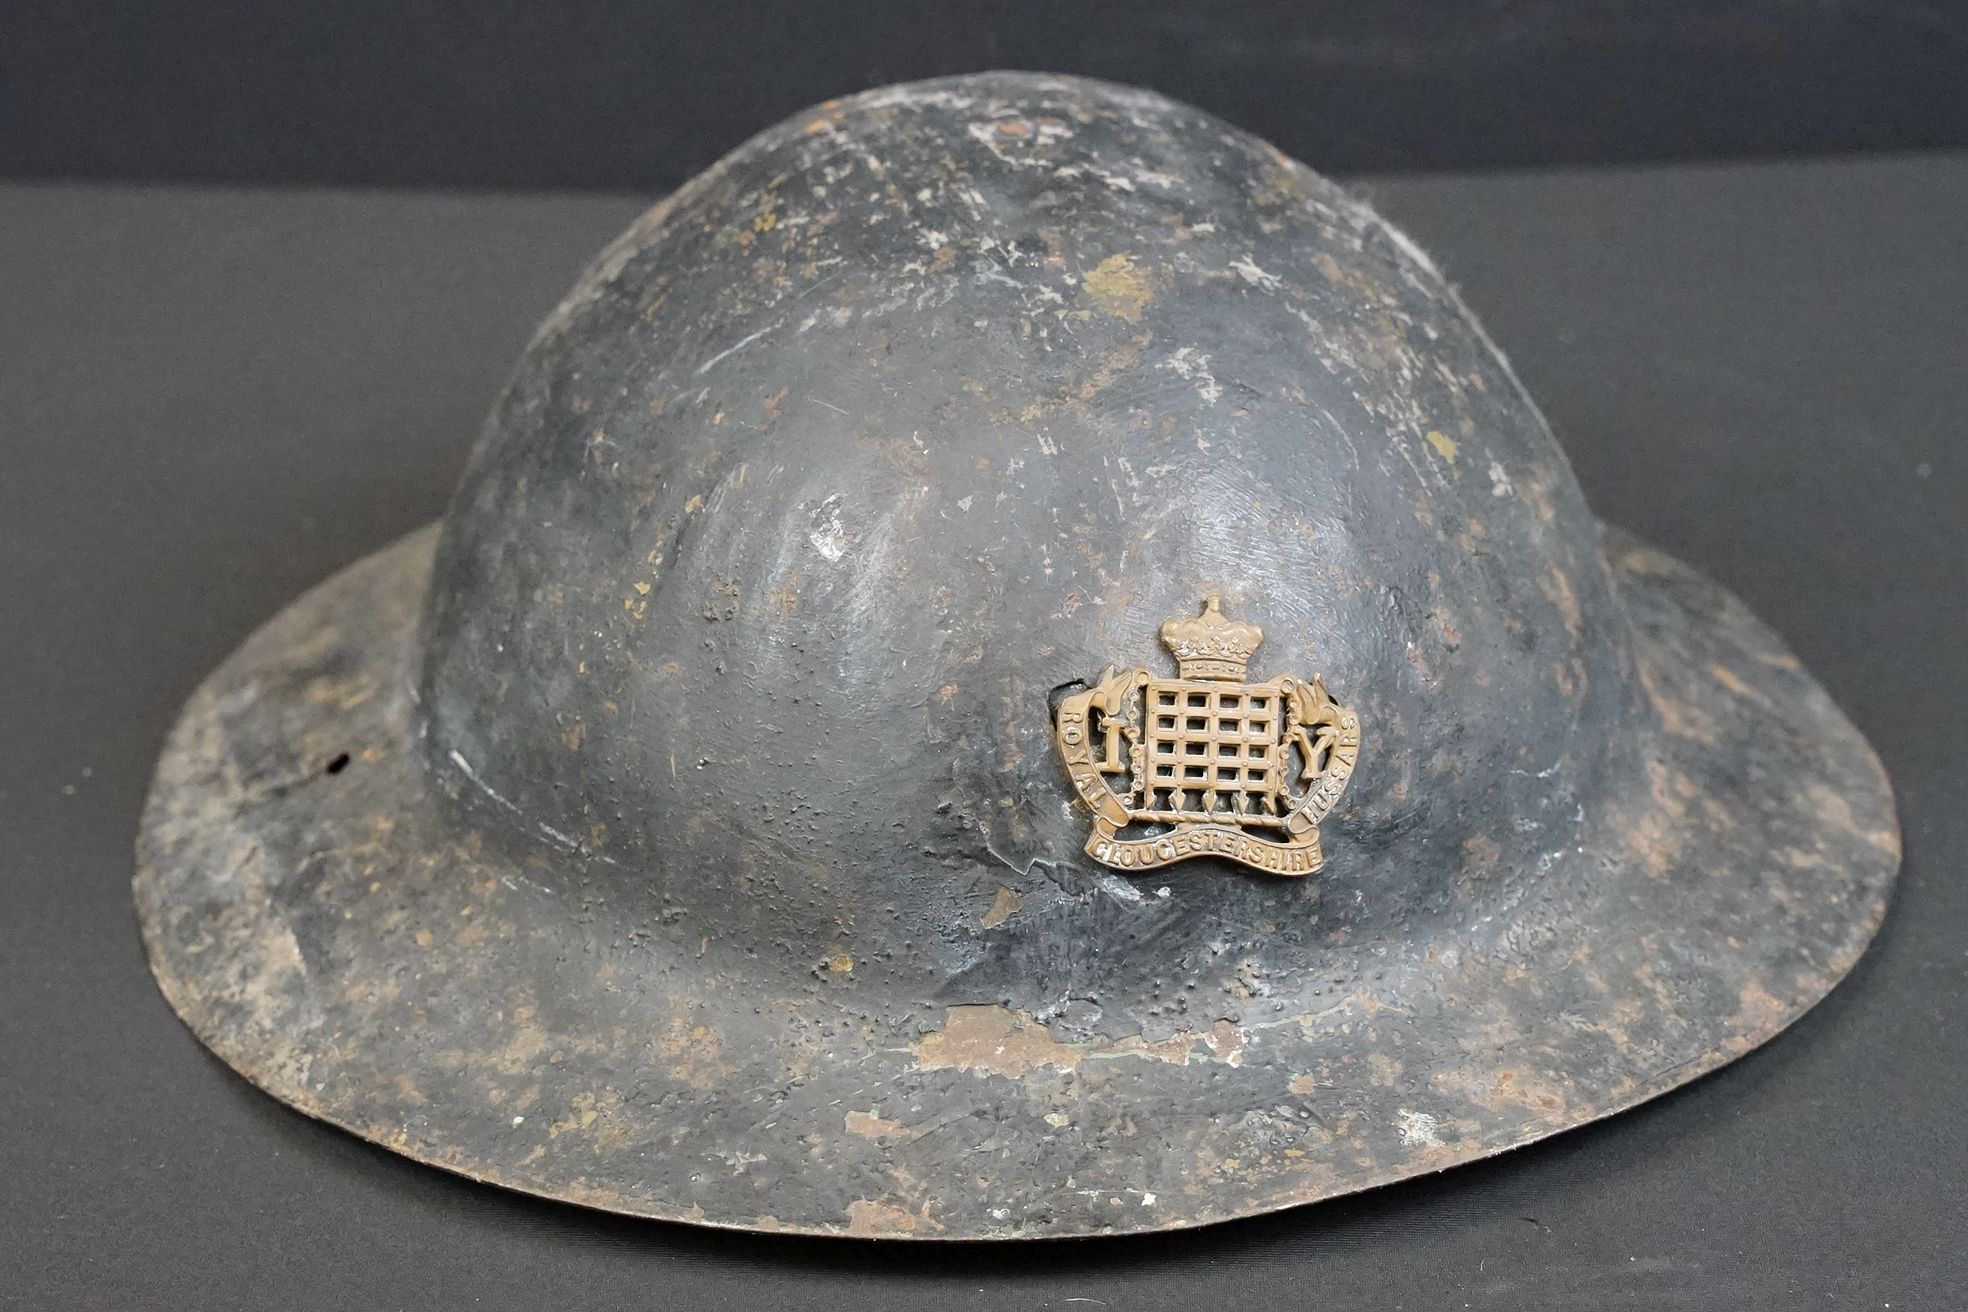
317,912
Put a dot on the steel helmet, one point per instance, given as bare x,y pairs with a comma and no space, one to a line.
1011,662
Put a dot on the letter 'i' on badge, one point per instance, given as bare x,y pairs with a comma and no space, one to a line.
1207,763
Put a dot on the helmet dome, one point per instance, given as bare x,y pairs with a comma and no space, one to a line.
926,404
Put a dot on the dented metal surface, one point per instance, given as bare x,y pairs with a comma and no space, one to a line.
678,831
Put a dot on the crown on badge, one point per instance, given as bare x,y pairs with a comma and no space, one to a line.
1210,646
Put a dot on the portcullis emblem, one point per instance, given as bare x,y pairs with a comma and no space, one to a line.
1206,764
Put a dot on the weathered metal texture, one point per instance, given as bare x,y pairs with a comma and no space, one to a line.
678,832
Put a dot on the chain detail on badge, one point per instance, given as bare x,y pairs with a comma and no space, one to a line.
1206,764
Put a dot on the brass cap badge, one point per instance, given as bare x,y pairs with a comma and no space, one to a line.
1206,764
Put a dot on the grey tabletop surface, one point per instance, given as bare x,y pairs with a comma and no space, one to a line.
210,400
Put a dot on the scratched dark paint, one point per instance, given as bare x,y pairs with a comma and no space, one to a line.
700,852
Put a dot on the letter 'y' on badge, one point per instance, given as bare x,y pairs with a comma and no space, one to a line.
1207,763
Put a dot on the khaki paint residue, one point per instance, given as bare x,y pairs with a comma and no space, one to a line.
867,1125
597,1117
696,1056
872,1220
1120,287
1679,716
1557,589
1003,907
1734,682
1226,1041
995,1040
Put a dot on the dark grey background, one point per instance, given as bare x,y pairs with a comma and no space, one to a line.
638,94
209,401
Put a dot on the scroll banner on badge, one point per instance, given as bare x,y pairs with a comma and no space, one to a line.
1301,856
1293,858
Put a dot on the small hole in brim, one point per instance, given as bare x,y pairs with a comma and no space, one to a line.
339,764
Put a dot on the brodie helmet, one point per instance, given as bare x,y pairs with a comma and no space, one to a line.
1011,662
